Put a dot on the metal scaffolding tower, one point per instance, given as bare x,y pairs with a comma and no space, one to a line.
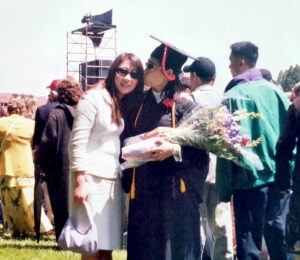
91,49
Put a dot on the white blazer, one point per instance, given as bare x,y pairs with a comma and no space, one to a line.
95,140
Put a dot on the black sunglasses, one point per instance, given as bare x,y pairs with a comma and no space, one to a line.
124,72
151,66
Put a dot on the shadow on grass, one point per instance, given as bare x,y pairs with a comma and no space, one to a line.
29,246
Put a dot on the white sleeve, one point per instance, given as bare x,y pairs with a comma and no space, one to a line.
177,153
83,123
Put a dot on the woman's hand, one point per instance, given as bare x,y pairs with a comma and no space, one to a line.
157,132
80,192
164,150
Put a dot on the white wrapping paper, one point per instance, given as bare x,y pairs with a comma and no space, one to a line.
138,151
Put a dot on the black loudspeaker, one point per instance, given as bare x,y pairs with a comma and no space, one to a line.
92,72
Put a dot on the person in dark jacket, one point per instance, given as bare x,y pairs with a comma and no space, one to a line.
43,112
288,140
165,194
41,196
52,153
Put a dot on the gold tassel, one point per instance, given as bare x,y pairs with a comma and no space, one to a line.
182,186
132,188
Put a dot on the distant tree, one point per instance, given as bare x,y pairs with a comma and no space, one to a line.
288,78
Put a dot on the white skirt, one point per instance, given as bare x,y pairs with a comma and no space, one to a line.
106,199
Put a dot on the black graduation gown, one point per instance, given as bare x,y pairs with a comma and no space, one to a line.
164,222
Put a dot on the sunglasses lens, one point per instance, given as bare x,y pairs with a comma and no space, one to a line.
122,72
134,75
150,66
125,72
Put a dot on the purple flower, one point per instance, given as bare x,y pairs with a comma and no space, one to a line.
233,132
229,122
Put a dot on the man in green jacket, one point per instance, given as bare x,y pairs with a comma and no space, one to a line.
250,188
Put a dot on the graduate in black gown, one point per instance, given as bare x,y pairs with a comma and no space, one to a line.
164,194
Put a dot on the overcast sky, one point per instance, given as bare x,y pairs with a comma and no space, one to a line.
33,41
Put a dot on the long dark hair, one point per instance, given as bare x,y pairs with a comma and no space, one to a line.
173,86
118,107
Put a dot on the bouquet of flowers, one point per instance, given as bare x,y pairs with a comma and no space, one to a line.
213,129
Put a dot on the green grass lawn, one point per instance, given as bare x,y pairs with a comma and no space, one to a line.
28,249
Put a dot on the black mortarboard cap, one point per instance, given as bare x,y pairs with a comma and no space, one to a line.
169,56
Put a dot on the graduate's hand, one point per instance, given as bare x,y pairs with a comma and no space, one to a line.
80,192
157,132
164,150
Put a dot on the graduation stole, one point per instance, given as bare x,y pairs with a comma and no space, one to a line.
182,184
133,186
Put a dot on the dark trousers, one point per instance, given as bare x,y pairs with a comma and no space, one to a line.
293,222
277,210
58,193
249,212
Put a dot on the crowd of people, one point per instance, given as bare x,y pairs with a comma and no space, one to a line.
184,204
17,171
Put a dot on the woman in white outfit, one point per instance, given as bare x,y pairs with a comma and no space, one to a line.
95,147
